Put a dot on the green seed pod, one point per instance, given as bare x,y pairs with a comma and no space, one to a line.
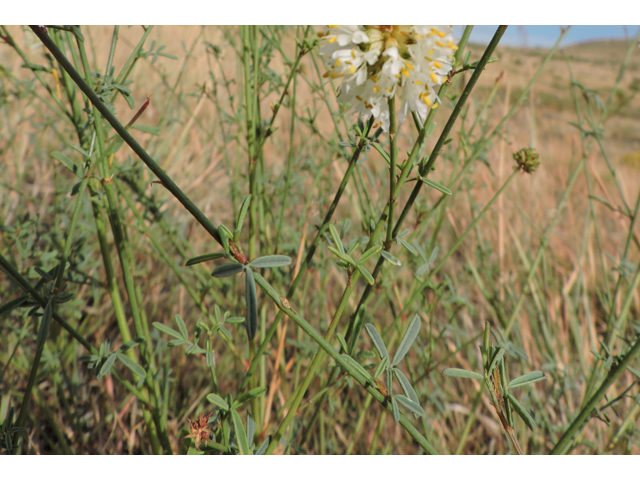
527,159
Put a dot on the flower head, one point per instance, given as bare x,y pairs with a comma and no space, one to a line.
374,61
527,160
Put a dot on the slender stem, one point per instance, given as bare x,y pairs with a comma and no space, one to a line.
309,256
315,364
393,156
168,183
584,414
425,167
341,362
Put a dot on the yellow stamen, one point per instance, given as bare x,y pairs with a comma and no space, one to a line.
418,82
332,40
437,64
353,53
374,77
440,44
408,65
442,34
405,72
434,79
352,69
338,63
388,89
427,100
376,89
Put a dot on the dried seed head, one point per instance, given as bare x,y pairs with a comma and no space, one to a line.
527,159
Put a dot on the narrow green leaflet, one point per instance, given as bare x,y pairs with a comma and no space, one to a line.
460,373
441,188
66,161
241,216
390,258
106,366
144,128
377,340
407,245
343,342
240,433
271,261
168,330
382,152
227,270
524,414
131,365
234,320
527,378
356,366
337,253
406,385
369,253
253,393
496,358
7,307
407,340
381,367
251,429
415,408
396,410
80,150
204,258
252,305
365,274
218,401
263,446
336,238
182,327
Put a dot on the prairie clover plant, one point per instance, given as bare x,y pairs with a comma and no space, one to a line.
375,61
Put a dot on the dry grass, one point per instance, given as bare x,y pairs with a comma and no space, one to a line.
202,147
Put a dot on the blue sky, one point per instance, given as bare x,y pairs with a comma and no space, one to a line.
546,35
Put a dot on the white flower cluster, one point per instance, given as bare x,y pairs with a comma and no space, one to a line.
375,60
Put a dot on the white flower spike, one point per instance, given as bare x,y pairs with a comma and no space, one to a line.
374,61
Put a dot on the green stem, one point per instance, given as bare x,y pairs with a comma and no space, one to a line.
308,257
315,364
340,361
168,183
425,167
584,414
393,155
